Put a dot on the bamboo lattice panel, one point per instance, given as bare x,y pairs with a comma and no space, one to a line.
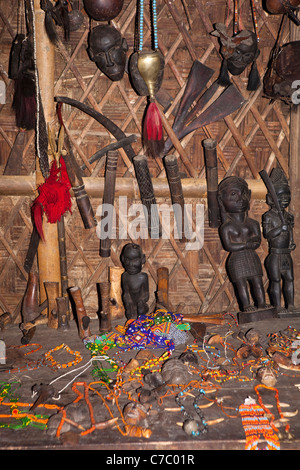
253,138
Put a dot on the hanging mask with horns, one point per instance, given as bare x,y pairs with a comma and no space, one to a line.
238,52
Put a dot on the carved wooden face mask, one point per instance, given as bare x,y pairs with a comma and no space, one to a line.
108,49
238,51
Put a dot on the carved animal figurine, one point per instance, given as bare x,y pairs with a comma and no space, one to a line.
278,230
135,285
241,236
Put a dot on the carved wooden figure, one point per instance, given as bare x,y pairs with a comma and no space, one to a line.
135,286
278,230
241,236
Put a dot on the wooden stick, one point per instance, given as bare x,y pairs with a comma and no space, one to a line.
211,164
108,198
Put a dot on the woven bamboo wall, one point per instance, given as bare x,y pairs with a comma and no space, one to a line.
253,138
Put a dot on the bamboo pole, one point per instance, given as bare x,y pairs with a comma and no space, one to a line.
48,252
294,175
191,187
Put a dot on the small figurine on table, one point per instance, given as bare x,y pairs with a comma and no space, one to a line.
241,236
278,230
135,286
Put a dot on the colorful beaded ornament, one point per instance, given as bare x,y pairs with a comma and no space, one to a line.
57,365
256,426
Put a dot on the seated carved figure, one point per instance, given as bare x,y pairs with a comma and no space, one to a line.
241,236
135,286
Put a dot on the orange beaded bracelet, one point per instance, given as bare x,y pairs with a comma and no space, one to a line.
57,365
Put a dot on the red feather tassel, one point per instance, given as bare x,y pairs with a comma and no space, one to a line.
153,131
54,197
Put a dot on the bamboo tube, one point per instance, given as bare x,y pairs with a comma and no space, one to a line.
147,195
52,291
177,198
48,252
63,260
294,174
191,187
211,165
105,314
116,304
82,318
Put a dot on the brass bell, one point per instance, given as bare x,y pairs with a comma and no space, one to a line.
149,65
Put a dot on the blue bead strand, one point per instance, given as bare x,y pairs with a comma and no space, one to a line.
141,25
155,39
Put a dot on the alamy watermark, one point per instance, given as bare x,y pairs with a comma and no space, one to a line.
136,221
296,93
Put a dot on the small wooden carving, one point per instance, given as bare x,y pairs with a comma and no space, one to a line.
135,287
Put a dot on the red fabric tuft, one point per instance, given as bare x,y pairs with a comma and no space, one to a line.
153,130
153,124
54,197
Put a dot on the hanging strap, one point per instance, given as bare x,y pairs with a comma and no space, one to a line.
154,25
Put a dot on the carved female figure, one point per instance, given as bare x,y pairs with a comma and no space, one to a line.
241,236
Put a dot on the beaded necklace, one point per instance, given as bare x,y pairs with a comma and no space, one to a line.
191,426
22,419
98,346
56,365
256,424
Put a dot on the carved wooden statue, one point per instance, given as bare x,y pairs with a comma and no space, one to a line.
278,230
135,286
241,236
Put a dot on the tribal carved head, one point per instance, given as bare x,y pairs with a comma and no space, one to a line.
237,51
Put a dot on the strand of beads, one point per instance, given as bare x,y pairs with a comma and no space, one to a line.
98,346
190,425
57,365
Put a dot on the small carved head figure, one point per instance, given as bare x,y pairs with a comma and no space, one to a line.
239,51
233,196
107,48
132,258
